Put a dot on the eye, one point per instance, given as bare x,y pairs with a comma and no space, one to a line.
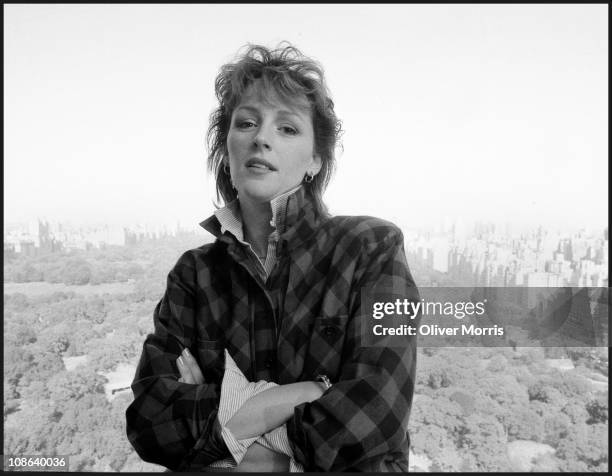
289,130
245,124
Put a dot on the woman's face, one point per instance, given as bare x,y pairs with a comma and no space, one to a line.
270,146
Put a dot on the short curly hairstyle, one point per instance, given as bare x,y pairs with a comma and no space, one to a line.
293,76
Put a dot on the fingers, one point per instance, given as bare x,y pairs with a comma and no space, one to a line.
189,369
193,367
186,376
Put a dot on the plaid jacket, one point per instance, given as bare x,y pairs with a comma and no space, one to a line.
304,320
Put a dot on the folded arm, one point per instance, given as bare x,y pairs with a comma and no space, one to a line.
362,419
170,422
253,413
271,408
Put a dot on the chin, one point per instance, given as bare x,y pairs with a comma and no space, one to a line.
258,193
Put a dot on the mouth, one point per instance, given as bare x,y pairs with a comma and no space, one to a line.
259,164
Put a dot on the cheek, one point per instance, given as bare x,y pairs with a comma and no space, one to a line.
303,156
234,145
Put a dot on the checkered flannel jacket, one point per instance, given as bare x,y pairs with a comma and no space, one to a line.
304,320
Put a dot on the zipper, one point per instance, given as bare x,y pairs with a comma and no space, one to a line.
282,294
252,311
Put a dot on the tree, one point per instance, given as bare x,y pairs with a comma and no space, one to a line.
597,410
76,384
498,363
439,378
431,440
29,430
18,363
576,411
16,302
545,393
467,402
79,273
585,448
18,333
11,400
556,427
522,423
440,412
485,439
568,384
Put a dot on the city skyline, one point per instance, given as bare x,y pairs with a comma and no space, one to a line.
478,112
481,254
442,225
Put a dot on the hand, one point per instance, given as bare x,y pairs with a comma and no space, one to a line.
189,369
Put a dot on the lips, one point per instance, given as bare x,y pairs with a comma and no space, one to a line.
262,164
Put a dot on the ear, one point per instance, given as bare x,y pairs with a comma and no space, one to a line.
316,164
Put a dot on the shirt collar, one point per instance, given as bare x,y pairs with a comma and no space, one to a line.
229,218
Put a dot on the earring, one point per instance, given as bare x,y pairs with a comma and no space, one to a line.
309,177
226,171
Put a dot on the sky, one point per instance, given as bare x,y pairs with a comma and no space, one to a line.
473,112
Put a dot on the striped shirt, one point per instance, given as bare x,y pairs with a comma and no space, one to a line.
235,391
235,388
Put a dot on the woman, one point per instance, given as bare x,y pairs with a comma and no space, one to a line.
258,359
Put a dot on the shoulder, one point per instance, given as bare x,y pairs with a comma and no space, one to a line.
366,232
366,228
191,260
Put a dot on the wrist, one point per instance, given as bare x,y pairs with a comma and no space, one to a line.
316,390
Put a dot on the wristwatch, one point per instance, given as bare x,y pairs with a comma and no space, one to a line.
325,379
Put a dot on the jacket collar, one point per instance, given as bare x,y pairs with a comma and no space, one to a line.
294,215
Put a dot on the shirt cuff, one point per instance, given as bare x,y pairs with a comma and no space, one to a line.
237,448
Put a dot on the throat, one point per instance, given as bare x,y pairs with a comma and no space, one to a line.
257,227
259,244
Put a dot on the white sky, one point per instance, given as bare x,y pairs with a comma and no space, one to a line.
494,112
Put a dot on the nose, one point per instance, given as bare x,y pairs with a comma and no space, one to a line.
261,139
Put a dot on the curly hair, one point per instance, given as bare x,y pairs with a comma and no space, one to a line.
292,76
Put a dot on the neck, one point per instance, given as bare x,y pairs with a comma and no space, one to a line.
256,220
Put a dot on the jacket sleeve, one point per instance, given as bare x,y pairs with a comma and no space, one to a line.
171,423
362,419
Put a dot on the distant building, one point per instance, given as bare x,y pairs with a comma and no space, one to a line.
543,279
47,243
9,251
440,254
27,247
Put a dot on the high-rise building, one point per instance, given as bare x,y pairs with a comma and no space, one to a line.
440,249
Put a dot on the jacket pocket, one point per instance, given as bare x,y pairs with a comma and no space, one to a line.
326,343
209,354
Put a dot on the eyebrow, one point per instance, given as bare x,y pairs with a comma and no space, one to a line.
281,112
